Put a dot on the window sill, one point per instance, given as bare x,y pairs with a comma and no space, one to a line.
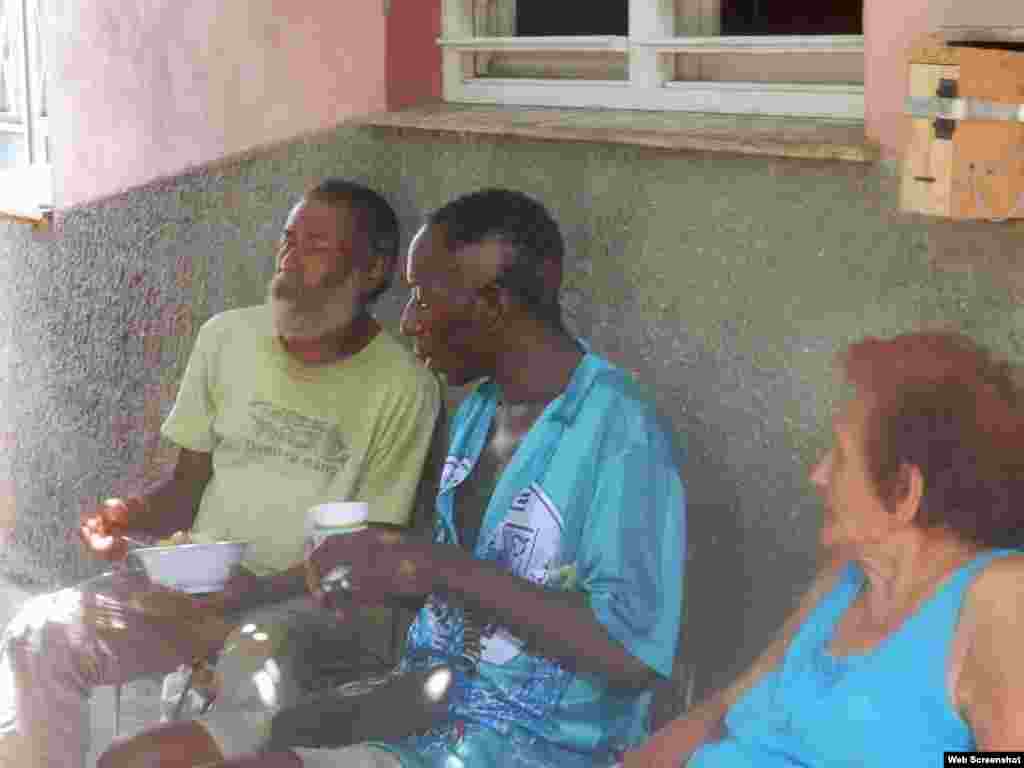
801,138
26,195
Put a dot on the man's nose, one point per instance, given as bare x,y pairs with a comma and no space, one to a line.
820,469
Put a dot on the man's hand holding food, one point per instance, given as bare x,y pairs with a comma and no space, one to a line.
383,565
102,530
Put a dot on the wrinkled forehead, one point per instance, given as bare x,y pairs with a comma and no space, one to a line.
326,218
433,265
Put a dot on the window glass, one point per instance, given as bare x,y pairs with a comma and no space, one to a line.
792,17
572,17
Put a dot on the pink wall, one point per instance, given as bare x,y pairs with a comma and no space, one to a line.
414,59
889,29
151,87
890,26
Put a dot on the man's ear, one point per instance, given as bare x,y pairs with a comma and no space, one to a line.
492,307
551,276
376,272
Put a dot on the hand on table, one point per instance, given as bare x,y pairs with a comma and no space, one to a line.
383,565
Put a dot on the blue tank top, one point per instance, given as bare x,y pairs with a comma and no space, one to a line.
887,706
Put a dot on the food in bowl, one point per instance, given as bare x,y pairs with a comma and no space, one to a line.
186,537
189,565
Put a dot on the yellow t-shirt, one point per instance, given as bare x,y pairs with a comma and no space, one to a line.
285,436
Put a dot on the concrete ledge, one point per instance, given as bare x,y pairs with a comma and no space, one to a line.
800,138
26,194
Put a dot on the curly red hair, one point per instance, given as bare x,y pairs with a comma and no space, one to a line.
943,403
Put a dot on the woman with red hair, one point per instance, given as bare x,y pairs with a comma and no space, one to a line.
907,645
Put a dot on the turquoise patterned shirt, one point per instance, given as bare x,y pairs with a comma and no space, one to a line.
592,501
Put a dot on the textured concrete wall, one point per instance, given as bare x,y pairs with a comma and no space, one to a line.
726,284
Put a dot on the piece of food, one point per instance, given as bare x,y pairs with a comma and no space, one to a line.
176,538
186,537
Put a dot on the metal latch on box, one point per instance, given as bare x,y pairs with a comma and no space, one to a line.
944,127
946,108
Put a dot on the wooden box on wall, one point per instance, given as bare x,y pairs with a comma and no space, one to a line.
964,152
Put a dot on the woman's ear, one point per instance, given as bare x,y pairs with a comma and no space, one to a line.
908,493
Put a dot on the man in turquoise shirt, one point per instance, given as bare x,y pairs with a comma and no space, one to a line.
553,583
561,515
589,504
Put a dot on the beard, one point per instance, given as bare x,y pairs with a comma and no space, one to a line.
308,313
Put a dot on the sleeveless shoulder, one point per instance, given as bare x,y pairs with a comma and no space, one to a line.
992,617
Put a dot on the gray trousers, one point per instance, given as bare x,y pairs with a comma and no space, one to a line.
52,656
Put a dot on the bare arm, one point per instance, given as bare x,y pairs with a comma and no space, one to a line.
990,688
246,591
556,624
679,739
171,503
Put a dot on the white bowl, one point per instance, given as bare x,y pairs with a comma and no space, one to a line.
192,568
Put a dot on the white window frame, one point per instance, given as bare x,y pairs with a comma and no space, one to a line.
649,48
26,190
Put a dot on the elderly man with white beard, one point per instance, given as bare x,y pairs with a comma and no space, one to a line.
283,406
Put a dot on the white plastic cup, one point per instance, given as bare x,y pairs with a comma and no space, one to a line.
336,518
